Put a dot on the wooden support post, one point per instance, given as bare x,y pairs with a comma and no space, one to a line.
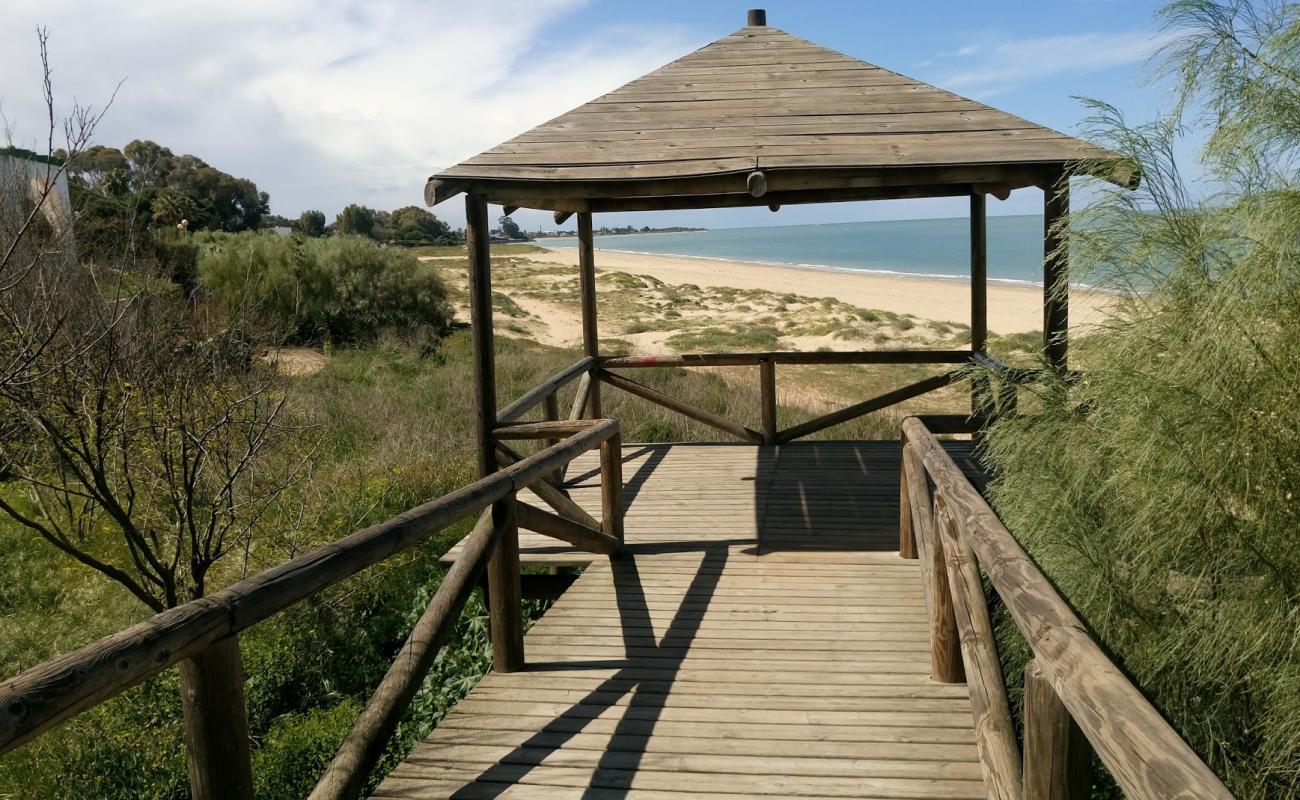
979,273
906,536
551,413
216,723
979,297
587,285
1058,758
611,486
767,394
579,406
505,599
480,320
1056,279
505,621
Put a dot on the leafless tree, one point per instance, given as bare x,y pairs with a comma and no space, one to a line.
138,428
139,425
36,239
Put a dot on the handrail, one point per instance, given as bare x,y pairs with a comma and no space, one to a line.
544,389
767,363
45,695
356,758
788,357
546,429
1146,756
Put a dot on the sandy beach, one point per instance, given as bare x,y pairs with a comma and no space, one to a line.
1012,308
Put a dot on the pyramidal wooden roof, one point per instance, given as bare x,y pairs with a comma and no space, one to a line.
760,99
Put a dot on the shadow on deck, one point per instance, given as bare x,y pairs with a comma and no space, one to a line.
839,497
761,638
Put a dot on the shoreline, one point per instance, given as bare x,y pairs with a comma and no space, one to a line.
820,267
1013,306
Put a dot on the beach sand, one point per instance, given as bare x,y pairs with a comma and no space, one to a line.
1012,308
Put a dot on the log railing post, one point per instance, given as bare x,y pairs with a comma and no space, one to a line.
216,723
505,593
611,486
906,534
767,395
945,651
995,738
1058,758
587,287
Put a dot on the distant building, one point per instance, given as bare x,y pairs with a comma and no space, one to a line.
28,179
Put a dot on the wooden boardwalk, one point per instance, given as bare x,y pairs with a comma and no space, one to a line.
761,639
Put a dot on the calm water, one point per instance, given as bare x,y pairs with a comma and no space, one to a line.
935,247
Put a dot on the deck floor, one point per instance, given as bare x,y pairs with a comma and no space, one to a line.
761,639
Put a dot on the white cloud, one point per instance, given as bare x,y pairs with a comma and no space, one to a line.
321,103
991,70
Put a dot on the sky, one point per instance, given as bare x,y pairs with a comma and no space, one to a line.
326,103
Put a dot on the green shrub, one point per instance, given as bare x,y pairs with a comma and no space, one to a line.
340,290
125,749
298,747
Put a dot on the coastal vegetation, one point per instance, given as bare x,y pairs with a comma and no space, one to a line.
1161,491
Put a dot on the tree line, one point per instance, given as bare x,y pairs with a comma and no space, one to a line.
408,225
151,187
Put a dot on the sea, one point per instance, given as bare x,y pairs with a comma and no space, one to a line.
937,248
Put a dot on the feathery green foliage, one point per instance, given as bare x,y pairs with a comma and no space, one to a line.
1161,493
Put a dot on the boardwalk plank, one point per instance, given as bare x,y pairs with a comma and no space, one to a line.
760,639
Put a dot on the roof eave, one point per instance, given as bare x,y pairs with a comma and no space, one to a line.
569,194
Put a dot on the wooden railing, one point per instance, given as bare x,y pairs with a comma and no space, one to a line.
1076,699
202,635
767,364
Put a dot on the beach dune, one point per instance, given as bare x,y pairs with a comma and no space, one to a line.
1012,308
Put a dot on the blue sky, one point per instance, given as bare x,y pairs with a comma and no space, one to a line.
326,103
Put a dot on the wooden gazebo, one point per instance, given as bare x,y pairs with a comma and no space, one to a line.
764,118
757,118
